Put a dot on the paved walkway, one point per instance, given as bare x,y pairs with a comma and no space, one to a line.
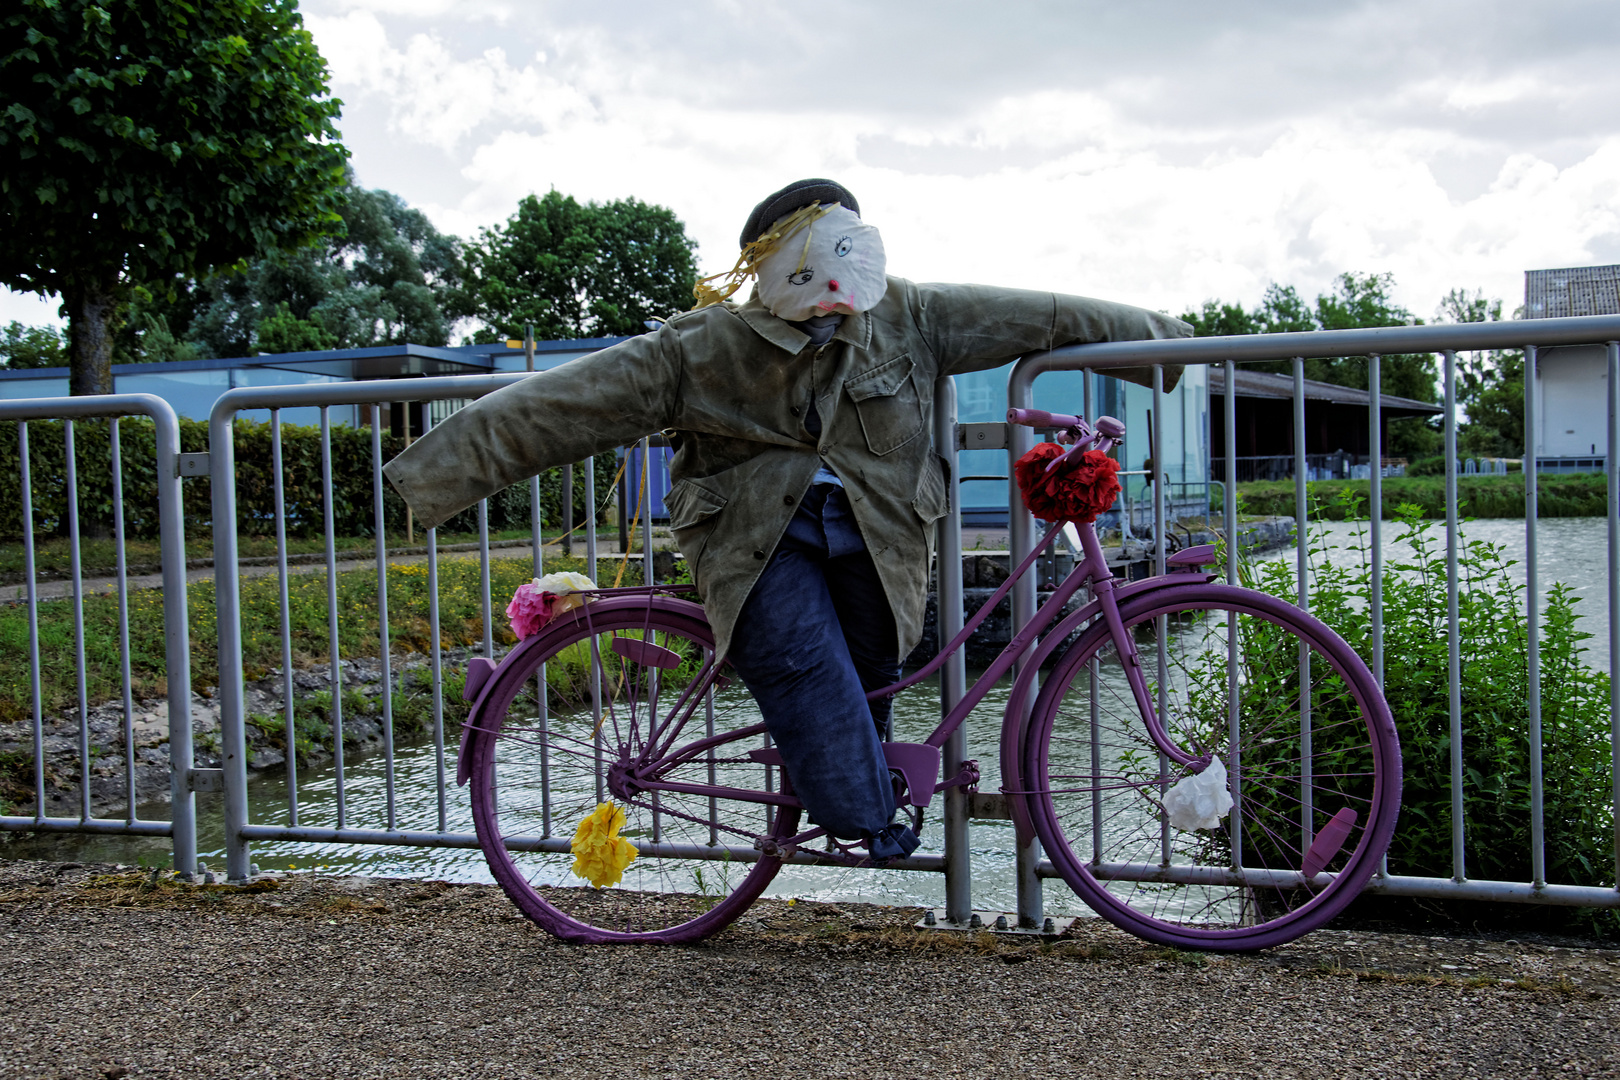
355,977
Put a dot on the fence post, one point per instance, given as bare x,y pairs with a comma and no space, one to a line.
176,638
1020,539
228,601
953,676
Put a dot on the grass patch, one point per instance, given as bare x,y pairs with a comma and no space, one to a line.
359,632
1557,495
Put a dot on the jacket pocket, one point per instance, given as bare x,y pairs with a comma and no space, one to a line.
886,400
693,512
691,504
932,501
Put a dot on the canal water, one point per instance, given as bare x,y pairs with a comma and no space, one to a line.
1572,550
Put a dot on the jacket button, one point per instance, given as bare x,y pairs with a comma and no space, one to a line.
795,410
759,553
788,499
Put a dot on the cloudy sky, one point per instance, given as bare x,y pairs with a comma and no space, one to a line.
1160,152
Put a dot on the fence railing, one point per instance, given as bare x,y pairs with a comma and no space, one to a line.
1446,340
382,821
183,779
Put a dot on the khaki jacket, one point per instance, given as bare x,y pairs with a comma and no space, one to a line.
732,383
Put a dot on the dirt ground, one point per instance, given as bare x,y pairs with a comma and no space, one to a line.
108,973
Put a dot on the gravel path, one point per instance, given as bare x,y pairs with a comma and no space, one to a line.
106,976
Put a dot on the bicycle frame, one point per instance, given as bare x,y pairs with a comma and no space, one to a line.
919,767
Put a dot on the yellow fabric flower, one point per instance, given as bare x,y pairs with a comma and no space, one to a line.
600,853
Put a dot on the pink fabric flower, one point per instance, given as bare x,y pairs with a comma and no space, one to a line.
530,609
539,601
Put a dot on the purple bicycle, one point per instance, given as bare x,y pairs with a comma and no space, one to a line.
1206,766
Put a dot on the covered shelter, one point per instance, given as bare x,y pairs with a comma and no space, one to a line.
1337,442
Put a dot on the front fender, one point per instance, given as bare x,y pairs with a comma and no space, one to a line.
1023,691
494,683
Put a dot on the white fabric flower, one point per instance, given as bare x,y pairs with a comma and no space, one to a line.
565,586
1199,802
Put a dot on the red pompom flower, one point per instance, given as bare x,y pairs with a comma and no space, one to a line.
1074,492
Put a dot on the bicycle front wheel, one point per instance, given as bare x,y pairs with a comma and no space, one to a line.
579,717
1295,716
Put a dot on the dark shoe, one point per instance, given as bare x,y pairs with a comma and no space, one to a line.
893,841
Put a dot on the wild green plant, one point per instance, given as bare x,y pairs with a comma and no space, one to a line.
1494,681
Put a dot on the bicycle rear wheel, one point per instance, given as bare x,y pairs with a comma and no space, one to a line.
1315,775
625,679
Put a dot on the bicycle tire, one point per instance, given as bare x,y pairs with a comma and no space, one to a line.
514,763
1095,782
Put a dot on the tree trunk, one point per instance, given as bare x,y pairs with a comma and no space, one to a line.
90,330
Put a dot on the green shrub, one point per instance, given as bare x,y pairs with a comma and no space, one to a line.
1577,793
1557,495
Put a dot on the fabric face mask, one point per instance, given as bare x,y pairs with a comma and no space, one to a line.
841,271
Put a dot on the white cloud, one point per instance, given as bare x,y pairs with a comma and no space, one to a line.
1162,153
29,309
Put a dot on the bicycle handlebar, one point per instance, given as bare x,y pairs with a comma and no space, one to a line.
1105,428
1041,418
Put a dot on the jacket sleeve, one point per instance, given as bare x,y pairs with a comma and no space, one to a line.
584,407
972,327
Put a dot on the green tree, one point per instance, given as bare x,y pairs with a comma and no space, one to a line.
385,276
580,270
1490,383
31,347
146,140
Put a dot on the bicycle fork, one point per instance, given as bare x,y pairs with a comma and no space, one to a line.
1131,660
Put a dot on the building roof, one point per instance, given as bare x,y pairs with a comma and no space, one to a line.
1266,384
1578,290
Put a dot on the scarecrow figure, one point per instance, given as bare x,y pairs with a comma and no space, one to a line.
805,485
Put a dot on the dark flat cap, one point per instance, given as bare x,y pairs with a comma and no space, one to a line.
800,193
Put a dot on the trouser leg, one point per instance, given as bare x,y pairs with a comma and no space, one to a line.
790,648
869,634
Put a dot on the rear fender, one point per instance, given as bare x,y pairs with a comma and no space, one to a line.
494,682
1024,688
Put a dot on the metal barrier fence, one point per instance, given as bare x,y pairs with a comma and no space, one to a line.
182,825
241,832
1446,340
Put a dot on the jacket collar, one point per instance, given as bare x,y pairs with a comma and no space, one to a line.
855,330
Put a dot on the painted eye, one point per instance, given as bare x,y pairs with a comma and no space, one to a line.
843,247
803,276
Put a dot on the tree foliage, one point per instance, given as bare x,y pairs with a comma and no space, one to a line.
1490,383
31,347
580,270
146,140
385,276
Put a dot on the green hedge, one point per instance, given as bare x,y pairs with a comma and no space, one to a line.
255,482
1557,495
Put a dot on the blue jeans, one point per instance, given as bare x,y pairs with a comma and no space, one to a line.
813,637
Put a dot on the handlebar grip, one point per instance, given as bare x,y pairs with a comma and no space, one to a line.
1041,419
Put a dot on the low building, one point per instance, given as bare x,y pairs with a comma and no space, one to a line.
1572,380
1338,436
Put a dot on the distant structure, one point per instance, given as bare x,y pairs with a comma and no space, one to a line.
1572,380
